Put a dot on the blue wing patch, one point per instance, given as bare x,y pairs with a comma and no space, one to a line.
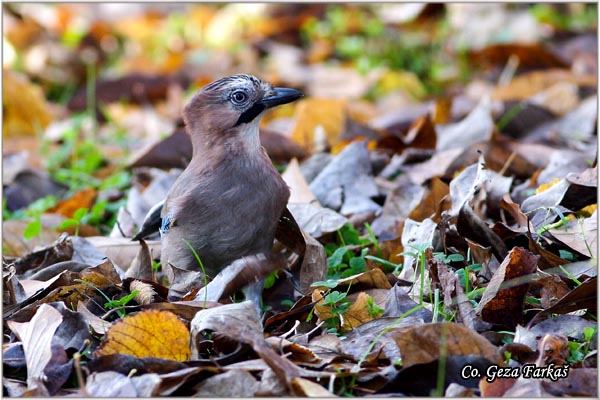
165,224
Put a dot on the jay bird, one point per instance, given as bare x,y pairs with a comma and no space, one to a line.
229,199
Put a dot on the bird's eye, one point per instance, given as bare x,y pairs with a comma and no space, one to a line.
239,97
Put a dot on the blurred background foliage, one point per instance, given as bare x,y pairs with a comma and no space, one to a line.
87,85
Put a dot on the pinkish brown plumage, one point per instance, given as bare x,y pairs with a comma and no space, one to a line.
228,200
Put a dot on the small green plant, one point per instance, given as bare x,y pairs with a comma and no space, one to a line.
338,305
360,38
578,351
342,261
33,228
189,245
388,267
287,303
562,222
584,16
111,304
448,258
156,265
570,275
34,211
123,301
75,221
373,309
82,217
463,273
329,283
509,338
271,279
419,255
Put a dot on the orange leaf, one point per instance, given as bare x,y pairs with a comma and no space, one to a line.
82,199
150,333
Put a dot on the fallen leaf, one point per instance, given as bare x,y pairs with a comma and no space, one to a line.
528,84
339,178
122,250
299,190
25,109
503,299
553,350
235,383
30,185
141,266
109,384
311,113
241,323
422,379
422,344
36,336
305,388
316,220
533,55
149,333
580,235
476,127
81,199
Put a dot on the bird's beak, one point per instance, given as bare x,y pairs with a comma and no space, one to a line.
280,96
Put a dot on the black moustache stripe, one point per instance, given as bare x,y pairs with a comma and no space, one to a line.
250,114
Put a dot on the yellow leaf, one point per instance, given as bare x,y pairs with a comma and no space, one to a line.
25,108
150,333
401,80
313,113
545,186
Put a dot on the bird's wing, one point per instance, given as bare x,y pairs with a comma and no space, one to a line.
152,222
289,233
166,223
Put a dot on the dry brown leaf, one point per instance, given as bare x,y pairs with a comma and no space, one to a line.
305,388
299,190
496,388
526,85
503,299
422,134
234,383
431,204
109,384
36,336
297,353
240,322
356,315
15,245
528,54
96,323
422,344
476,127
122,250
580,235
149,333
583,296
553,349
25,111
553,288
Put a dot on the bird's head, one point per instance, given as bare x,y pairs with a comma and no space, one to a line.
233,105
